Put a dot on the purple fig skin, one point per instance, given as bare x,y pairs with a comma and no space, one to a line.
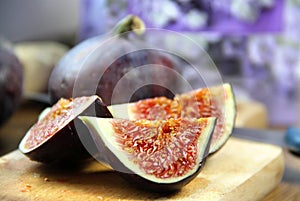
105,76
147,185
90,69
65,148
11,82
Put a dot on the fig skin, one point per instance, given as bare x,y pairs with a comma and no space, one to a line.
65,148
147,185
90,70
11,81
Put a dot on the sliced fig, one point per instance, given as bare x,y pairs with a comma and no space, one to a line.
54,138
160,155
157,108
218,101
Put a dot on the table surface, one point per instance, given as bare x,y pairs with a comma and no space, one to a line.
26,115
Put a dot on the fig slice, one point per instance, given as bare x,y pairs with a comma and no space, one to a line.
54,139
217,101
160,155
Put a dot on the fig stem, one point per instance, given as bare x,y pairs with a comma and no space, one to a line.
130,23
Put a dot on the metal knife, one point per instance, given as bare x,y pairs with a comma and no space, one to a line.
289,139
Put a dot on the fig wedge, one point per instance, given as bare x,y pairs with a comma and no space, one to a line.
217,101
159,155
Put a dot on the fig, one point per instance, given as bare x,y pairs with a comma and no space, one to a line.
54,139
217,101
11,81
96,65
157,155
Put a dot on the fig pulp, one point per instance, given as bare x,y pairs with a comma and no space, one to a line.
55,139
217,101
96,65
160,155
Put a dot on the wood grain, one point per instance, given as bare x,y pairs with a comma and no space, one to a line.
241,170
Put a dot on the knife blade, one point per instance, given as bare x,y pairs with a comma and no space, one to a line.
289,139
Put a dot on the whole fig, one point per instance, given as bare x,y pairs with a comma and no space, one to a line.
11,81
99,64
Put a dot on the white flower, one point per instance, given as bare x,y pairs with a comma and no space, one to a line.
195,19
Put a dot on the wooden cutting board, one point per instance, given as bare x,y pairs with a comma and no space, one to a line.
241,170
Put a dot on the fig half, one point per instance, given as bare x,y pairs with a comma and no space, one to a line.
54,138
217,101
159,155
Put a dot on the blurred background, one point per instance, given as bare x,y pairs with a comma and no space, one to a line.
255,44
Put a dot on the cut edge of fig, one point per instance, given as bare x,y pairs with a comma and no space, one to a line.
64,145
224,91
43,114
122,111
102,128
230,116
128,110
